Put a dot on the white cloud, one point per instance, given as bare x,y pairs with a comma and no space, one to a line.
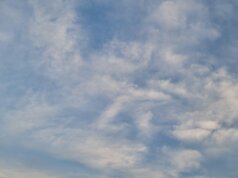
196,134
32,113
144,122
194,131
226,137
88,147
6,172
184,160
144,172
172,13
53,30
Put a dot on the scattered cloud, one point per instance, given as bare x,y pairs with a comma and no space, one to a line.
123,89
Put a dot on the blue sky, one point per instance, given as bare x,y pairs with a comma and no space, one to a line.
118,89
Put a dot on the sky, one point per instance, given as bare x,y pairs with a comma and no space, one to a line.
118,89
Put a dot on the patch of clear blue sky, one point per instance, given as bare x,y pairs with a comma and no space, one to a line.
109,20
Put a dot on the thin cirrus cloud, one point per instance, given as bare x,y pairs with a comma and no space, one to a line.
118,89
